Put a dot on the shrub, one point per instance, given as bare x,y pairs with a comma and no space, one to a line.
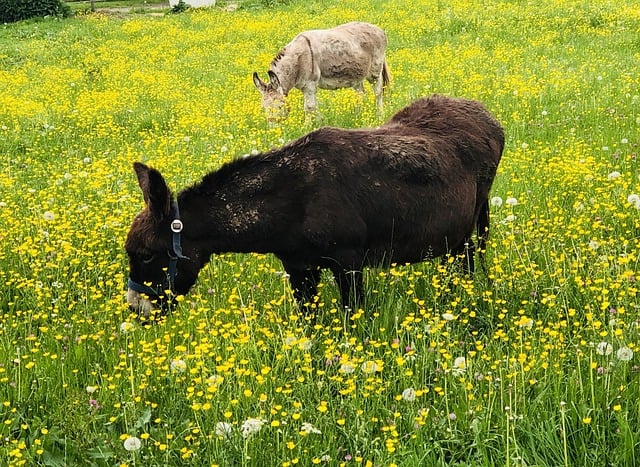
17,10
180,7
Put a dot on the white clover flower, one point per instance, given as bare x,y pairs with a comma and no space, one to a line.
91,389
496,201
614,175
308,428
178,366
251,426
224,429
409,395
459,366
624,354
511,201
604,348
132,443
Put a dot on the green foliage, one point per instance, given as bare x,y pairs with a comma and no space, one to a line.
180,7
17,10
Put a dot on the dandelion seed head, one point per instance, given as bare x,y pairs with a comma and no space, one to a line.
604,348
459,366
624,354
224,429
251,426
132,443
370,366
178,366
409,394
496,201
308,428
347,368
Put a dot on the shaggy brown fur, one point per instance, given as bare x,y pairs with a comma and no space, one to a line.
415,188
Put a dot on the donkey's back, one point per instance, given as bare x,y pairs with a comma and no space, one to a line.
349,54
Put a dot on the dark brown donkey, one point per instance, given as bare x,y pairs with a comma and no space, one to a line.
415,188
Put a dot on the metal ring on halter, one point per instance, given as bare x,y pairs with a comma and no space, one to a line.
176,226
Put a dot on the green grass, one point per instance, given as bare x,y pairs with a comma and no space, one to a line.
531,363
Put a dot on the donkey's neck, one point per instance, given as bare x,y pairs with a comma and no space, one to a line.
294,65
233,210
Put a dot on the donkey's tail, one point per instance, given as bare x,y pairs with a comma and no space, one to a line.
482,230
386,79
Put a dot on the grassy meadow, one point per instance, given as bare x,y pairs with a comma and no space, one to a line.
534,362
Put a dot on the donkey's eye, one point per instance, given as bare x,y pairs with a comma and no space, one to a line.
146,259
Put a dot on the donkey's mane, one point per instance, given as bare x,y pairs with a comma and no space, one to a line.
279,56
220,176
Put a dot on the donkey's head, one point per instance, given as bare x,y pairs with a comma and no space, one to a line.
273,97
158,271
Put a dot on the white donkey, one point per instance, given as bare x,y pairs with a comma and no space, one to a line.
336,58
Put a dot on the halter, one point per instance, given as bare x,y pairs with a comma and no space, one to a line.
172,270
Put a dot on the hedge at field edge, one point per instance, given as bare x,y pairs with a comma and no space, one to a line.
18,10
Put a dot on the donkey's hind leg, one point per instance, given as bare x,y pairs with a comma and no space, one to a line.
464,255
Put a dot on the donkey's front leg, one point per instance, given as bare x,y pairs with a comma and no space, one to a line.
351,287
310,103
304,283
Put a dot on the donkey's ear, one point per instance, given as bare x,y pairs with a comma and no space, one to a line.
156,194
261,85
274,80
